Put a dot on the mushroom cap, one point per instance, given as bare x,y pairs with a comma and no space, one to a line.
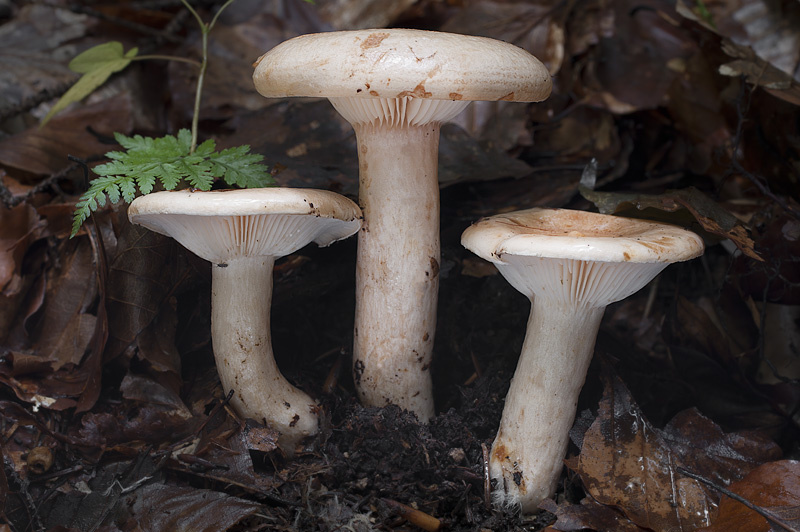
395,63
226,224
579,235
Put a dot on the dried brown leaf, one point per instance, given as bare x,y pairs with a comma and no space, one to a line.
362,14
66,326
140,278
534,27
160,507
43,151
18,228
628,464
34,50
708,213
773,487
588,515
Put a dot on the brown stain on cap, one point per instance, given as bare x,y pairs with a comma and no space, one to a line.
373,40
418,92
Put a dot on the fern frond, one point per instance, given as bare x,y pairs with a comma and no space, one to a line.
167,160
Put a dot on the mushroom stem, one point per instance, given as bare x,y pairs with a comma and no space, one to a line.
241,297
397,272
528,451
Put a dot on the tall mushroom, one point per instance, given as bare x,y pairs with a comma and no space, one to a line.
396,86
575,264
242,232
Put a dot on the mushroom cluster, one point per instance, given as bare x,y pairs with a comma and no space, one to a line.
571,265
242,232
396,86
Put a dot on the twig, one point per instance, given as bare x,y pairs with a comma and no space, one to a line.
769,516
10,200
416,517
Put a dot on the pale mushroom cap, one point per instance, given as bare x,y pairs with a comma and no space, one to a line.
579,235
397,63
222,225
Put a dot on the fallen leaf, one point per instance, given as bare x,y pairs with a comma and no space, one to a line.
626,463
43,151
159,507
34,50
140,276
708,213
535,27
66,326
19,226
588,515
773,487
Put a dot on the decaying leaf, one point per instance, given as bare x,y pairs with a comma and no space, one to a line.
711,216
43,151
66,332
774,488
588,515
34,48
762,38
161,507
628,464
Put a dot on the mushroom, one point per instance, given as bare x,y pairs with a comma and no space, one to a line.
396,86
242,232
575,263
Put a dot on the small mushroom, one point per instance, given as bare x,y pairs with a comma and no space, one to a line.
396,86
575,264
242,232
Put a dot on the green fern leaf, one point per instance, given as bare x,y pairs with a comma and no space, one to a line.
167,160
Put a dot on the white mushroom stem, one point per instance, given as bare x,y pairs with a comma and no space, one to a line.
527,453
241,297
570,298
397,272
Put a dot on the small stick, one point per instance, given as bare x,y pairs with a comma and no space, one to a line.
416,517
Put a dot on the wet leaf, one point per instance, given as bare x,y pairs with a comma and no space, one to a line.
773,487
626,463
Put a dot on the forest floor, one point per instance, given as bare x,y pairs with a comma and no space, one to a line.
112,417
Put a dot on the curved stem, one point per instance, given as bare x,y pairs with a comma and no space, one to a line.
397,271
528,451
241,296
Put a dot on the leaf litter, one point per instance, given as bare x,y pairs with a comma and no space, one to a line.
137,424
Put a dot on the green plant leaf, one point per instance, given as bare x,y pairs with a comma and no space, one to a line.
241,168
96,64
168,160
